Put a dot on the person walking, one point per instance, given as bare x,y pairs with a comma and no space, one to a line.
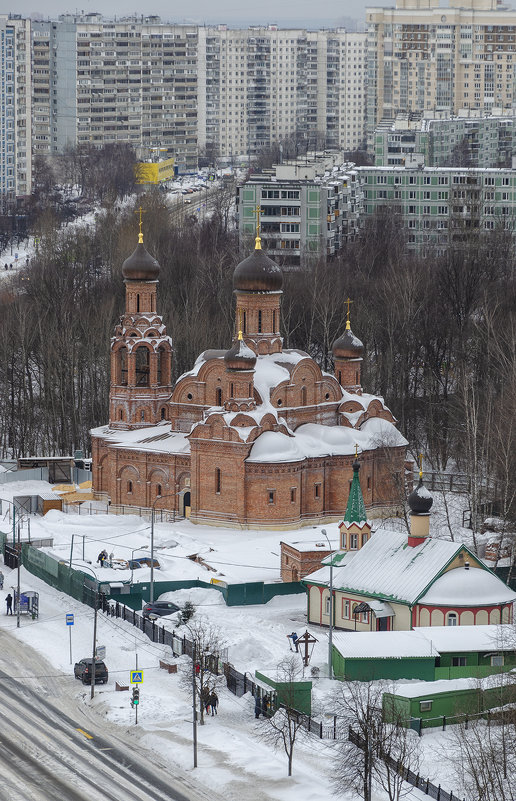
9,602
214,702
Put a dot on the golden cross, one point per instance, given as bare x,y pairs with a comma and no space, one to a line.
140,211
356,451
348,302
420,460
240,324
258,211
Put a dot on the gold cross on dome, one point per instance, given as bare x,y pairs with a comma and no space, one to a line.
140,211
420,460
356,451
348,302
258,211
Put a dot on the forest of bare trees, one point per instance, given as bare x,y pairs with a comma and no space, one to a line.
439,332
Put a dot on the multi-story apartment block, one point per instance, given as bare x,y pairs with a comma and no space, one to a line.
15,109
468,140
129,81
441,206
424,56
308,209
261,85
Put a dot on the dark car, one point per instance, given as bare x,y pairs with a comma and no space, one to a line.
159,609
83,671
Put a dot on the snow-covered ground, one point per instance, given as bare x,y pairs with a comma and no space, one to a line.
233,760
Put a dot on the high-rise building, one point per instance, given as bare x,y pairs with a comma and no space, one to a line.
424,56
15,109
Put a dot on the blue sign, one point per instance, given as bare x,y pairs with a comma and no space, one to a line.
136,676
69,620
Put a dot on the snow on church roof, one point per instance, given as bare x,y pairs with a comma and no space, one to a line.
458,587
388,567
314,439
157,438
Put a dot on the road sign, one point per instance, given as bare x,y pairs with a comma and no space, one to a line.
100,652
69,620
136,676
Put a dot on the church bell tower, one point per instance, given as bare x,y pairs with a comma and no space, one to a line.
141,351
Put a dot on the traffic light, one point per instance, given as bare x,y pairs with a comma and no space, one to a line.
135,700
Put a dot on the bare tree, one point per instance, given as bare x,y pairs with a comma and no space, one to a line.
205,673
285,727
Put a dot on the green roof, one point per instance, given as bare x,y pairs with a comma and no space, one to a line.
355,510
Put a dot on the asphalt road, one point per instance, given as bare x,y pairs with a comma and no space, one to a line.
50,750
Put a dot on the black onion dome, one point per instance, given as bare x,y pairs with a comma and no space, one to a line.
348,345
420,500
140,265
240,357
258,273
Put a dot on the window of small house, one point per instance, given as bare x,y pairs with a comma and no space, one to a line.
458,661
425,706
497,660
452,619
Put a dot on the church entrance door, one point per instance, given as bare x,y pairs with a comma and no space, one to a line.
186,504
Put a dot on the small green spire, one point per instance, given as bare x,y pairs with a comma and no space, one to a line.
355,510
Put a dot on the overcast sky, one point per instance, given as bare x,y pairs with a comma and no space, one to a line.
295,13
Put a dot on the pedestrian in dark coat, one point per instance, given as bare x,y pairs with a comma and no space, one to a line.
9,602
214,702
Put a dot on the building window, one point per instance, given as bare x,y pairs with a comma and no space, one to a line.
368,482
158,491
218,480
327,605
293,495
129,487
244,322
274,322
142,366
425,706
452,619
260,322
317,490
346,610
142,416
121,414
137,303
497,660
219,397
303,396
458,661
231,391
271,494
365,537
353,542
123,366
163,412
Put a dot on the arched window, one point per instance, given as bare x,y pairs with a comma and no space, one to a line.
452,619
163,412
303,396
158,491
219,397
120,414
218,480
159,366
274,322
137,303
142,416
142,366
129,487
260,322
122,366
340,377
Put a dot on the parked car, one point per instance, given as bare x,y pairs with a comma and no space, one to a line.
143,561
159,609
83,670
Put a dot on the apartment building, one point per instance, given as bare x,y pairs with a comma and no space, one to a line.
440,206
308,209
15,109
424,56
264,84
471,139
102,81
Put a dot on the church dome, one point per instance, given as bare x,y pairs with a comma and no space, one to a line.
140,265
258,273
420,500
240,357
348,346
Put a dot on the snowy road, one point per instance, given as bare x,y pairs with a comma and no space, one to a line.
50,751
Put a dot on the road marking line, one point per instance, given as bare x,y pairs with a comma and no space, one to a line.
89,736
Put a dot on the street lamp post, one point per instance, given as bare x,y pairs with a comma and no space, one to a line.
153,507
94,656
330,627
11,503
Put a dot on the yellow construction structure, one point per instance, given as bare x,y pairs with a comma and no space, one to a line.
155,172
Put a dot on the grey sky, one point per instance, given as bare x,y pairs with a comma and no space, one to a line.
295,13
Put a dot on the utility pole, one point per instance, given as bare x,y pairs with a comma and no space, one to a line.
93,661
330,627
194,710
18,591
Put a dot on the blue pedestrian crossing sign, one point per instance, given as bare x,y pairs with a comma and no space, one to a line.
136,676
69,620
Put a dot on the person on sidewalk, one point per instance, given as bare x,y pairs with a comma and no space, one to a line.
214,702
9,602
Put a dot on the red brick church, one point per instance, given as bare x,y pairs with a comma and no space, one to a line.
253,436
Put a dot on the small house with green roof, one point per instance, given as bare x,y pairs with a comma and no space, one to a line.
395,582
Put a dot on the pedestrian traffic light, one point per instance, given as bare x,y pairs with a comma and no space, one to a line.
135,700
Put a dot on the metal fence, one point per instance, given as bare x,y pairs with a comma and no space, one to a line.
106,508
417,781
